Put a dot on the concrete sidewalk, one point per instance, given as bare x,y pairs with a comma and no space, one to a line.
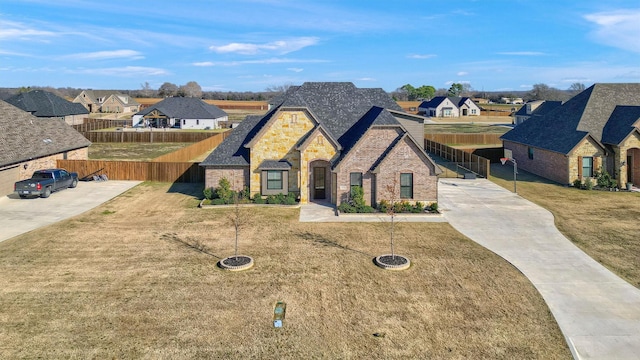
598,313
325,212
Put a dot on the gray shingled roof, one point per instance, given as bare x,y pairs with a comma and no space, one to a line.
620,124
24,136
42,103
337,106
433,103
274,165
587,113
185,108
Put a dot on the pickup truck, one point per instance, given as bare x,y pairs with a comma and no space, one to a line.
44,182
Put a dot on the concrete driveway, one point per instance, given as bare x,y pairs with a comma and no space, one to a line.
598,313
18,216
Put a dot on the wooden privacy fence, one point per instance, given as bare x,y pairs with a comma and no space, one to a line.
194,150
464,139
474,163
181,172
146,136
98,124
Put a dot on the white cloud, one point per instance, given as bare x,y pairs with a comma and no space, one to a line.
462,73
522,53
421,56
280,46
12,30
617,28
258,61
366,79
126,71
297,70
103,55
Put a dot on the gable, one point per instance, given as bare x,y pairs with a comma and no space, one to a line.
280,135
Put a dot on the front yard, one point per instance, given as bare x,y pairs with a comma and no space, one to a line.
136,278
605,225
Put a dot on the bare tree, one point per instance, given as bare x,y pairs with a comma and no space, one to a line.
146,89
190,89
168,89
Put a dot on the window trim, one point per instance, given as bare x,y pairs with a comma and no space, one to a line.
587,171
358,181
408,187
267,185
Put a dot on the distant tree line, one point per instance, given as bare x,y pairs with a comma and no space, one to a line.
540,91
406,92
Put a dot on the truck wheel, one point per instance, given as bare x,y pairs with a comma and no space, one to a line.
74,183
46,193
23,196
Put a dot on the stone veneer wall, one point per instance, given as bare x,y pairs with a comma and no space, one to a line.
318,148
587,148
238,177
49,162
633,142
405,158
278,142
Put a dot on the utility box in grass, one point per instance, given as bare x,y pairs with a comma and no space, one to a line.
279,312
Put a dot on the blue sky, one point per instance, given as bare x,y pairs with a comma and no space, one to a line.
249,45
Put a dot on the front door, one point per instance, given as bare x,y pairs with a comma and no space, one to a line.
319,183
630,169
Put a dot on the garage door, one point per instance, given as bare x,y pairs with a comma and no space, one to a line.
8,177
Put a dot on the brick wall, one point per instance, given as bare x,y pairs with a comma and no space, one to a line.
404,158
360,159
238,177
548,164
49,162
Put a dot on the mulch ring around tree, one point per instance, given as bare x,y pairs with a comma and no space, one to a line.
392,262
236,263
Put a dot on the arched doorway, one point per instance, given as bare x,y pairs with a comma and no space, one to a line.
320,181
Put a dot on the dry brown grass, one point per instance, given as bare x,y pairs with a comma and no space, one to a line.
132,151
126,280
603,224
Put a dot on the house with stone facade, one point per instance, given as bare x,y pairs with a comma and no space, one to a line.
107,101
321,139
449,106
46,105
598,129
28,143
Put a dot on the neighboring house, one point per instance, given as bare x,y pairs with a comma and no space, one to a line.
596,129
534,108
107,101
321,140
181,112
44,104
443,106
511,100
28,144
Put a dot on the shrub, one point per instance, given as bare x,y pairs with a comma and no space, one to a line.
418,207
588,184
383,206
223,191
218,201
209,193
257,198
605,180
357,197
365,209
577,183
345,207
433,207
290,199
